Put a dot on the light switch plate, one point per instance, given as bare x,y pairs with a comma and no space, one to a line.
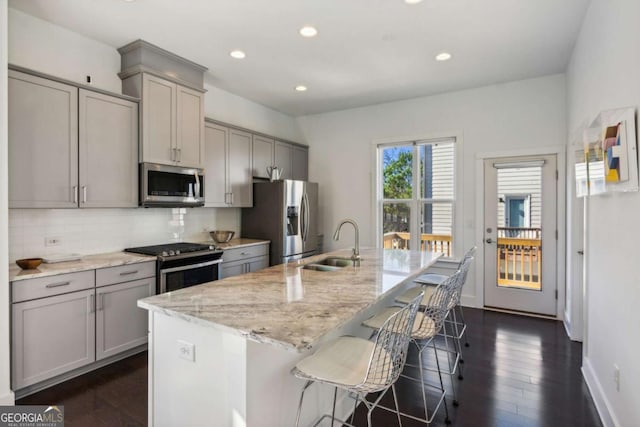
187,351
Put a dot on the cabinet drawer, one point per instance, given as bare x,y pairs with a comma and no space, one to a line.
23,290
235,254
125,273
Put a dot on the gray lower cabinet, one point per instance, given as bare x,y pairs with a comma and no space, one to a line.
53,334
120,323
64,322
244,259
70,147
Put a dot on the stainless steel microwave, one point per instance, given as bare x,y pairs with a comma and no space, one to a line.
171,186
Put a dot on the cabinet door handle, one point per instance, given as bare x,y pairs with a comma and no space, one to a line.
84,194
100,302
75,194
173,154
57,285
231,197
92,303
127,273
179,154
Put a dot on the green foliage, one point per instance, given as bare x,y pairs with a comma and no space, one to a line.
397,173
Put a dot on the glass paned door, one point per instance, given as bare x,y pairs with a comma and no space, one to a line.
520,214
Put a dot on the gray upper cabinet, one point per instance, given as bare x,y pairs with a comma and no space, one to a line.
190,122
172,120
240,166
282,157
293,159
228,155
215,177
108,149
299,163
70,147
262,155
159,106
43,142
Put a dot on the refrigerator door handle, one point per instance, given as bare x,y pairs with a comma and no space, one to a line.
303,217
306,216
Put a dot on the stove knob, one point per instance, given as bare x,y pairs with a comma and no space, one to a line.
164,253
171,253
177,251
211,247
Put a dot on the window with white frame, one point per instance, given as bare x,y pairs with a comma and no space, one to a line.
416,195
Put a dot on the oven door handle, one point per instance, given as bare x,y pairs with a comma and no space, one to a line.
190,266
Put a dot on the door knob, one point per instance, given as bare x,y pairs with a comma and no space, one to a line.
489,240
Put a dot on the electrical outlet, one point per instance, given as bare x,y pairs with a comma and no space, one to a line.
52,241
616,376
186,351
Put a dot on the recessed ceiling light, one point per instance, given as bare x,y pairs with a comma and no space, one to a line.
412,1
308,31
237,54
443,56
301,88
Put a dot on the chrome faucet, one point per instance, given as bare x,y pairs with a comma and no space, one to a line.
355,256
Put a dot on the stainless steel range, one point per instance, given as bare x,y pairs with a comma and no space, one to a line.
181,265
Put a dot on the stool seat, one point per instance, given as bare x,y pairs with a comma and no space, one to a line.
432,279
423,327
344,361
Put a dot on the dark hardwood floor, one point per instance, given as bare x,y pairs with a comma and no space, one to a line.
518,371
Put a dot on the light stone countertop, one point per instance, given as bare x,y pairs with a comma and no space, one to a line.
291,307
239,242
88,262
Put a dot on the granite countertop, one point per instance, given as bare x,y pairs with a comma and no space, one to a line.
89,262
291,307
236,243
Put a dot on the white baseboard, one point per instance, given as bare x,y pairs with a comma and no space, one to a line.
469,301
603,406
567,324
8,399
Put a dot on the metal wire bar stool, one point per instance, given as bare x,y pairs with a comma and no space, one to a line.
455,283
359,365
428,323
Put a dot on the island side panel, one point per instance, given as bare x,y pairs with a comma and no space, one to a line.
210,390
273,393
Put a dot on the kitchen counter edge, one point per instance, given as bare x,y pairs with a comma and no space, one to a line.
88,262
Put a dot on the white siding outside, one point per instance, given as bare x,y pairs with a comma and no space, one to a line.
443,186
521,182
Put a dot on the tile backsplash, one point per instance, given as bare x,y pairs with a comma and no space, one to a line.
90,231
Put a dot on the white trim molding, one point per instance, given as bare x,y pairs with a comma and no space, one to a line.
607,416
560,152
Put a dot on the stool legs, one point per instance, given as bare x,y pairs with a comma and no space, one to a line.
306,386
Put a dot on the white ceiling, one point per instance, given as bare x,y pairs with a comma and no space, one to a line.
367,51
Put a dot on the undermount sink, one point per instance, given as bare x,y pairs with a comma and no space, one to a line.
329,264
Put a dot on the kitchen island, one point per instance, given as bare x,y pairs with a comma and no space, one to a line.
220,353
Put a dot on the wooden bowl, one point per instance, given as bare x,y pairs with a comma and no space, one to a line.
29,263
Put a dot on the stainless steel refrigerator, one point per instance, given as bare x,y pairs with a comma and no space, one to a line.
284,212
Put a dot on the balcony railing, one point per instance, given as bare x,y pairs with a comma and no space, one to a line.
428,242
519,253
519,257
